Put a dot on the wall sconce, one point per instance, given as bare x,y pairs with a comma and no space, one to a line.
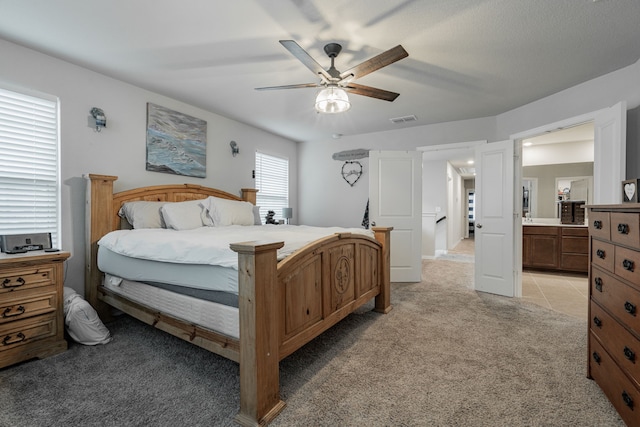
234,148
287,213
97,120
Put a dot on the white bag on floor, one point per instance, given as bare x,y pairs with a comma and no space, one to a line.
83,323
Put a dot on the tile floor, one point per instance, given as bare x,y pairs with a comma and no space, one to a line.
566,293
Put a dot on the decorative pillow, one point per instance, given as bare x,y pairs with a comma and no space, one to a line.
142,214
256,216
225,212
184,215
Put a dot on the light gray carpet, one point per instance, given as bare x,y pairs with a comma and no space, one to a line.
445,356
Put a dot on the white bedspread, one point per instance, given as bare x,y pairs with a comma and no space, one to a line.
210,245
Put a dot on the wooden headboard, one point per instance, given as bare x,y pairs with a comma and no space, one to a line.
103,205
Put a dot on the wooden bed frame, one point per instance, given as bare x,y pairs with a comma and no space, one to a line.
282,305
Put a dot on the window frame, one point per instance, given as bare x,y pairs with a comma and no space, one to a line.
267,200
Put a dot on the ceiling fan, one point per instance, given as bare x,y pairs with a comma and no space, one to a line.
333,99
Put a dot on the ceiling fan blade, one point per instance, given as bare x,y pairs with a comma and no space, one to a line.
371,92
303,85
305,58
375,63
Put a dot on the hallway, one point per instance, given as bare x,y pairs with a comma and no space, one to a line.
566,293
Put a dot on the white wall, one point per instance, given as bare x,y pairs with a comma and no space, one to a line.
120,148
323,200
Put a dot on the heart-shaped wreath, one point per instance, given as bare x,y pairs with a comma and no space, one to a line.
351,174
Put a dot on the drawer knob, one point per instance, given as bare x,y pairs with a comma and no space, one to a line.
597,224
6,283
597,322
600,253
629,354
628,400
630,308
627,264
623,228
8,311
8,340
598,282
596,357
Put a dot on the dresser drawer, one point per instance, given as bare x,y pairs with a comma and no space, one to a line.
627,264
599,225
623,347
26,331
619,299
32,277
614,383
602,254
12,310
625,228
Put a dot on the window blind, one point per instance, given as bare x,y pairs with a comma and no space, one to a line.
272,182
28,165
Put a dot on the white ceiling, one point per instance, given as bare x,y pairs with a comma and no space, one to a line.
467,58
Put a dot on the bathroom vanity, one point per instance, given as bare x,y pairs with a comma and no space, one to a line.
558,247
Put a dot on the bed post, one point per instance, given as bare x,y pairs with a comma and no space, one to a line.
249,195
383,300
259,332
98,222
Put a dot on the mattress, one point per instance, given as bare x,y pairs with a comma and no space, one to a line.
196,276
211,315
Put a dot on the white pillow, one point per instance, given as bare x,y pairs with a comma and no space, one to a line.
143,214
184,215
256,216
225,212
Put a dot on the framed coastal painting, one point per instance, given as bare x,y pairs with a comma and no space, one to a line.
176,142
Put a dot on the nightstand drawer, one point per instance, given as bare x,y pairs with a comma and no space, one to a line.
22,278
10,311
27,331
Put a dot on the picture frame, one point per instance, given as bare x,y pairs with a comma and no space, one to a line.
630,188
176,142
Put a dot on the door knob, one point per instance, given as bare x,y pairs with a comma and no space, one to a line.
479,225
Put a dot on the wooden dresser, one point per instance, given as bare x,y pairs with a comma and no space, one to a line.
614,307
31,306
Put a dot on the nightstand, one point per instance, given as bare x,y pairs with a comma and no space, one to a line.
31,306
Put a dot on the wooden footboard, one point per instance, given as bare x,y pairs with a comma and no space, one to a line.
282,305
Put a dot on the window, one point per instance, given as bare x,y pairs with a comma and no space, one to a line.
272,182
29,193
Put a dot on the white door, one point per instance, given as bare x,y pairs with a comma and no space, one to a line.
494,233
395,200
609,145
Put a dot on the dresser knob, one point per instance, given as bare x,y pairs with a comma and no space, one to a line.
630,308
597,224
598,282
628,400
627,264
629,354
623,228
600,253
597,322
596,357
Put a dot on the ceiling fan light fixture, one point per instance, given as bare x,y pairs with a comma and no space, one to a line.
332,100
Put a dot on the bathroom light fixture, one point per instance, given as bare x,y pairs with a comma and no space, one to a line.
332,100
234,148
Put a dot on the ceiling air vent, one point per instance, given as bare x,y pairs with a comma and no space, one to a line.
404,119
